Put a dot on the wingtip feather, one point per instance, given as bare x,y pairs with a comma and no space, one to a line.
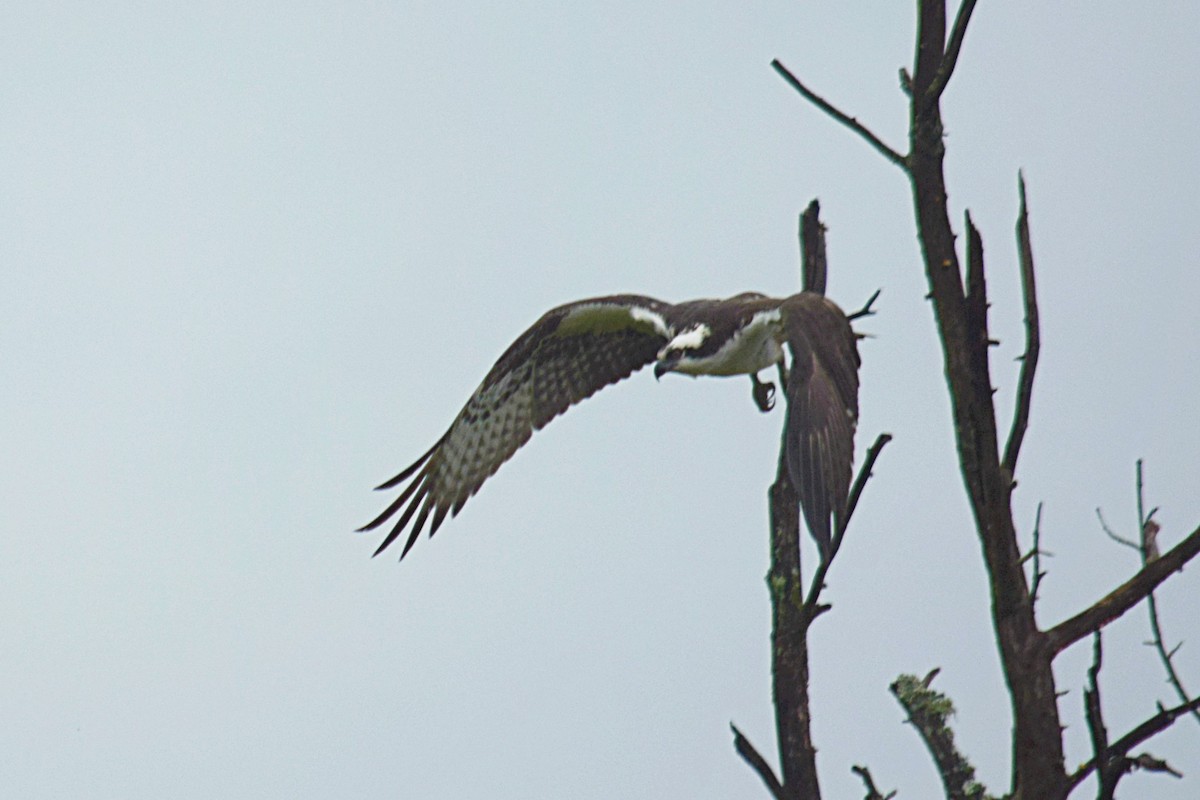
401,523
395,504
415,533
409,470
438,519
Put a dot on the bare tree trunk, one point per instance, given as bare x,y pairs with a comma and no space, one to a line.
962,328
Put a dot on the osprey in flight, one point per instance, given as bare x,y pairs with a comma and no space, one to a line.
579,348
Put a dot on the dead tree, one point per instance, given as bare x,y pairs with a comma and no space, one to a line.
958,291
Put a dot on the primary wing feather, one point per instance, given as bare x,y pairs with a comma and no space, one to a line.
822,396
569,354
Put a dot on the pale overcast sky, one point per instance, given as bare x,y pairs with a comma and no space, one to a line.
257,255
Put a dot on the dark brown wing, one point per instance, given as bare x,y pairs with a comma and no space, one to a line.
569,354
822,395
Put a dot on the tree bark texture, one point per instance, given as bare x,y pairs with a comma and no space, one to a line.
789,645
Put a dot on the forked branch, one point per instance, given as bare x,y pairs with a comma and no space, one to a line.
950,57
1124,597
1147,547
867,310
1035,582
1164,719
873,792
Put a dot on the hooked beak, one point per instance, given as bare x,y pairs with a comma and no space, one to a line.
665,365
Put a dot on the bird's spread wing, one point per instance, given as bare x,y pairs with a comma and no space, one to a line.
822,394
569,354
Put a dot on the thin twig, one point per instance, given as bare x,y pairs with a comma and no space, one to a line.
1149,552
759,764
1141,505
860,482
950,57
866,310
1153,726
1124,597
864,474
847,120
1033,337
1167,656
1036,581
1113,535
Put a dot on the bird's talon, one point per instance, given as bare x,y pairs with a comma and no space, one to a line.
764,395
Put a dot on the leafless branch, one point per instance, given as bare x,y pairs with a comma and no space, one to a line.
1033,337
1167,656
1148,550
759,764
869,784
1114,535
1141,496
1149,553
860,482
950,57
1109,772
850,122
1151,727
866,310
811,602
1124,597
1036,581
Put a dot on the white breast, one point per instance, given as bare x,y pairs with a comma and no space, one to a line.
754,348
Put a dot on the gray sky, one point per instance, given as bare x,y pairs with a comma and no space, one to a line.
257,255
